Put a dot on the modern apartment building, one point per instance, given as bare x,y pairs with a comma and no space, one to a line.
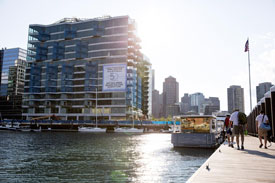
13,65
83,69
235,98
170,93
261,89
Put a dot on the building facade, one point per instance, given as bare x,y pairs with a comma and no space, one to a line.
197,99
211,105
185,103
261,89
170,93
1,64
156,104
235,98
67,61
153,79
13,67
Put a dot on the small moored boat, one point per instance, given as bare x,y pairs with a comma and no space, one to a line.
197,131
128,130
90,129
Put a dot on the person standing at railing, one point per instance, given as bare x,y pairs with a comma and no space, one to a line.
261,118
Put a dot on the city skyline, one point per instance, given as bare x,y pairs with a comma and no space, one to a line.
199,43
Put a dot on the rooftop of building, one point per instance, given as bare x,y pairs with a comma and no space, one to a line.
79,20
13,49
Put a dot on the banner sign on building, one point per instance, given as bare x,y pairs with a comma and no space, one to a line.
114,77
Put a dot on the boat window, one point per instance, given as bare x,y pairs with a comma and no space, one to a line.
196,124
213,124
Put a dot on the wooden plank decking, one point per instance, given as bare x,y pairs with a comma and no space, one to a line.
253,164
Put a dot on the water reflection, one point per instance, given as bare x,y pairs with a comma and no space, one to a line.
87,157
194,152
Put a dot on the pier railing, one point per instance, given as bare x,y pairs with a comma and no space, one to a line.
267,104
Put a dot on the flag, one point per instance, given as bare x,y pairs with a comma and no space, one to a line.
246,46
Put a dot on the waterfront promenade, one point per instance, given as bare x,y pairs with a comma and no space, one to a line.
253,164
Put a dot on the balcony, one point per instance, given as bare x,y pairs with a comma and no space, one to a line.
131,56
69,34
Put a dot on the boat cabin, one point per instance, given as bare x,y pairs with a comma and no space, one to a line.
202,131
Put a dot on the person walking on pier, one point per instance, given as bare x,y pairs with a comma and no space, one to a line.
227,127
261,118
238,129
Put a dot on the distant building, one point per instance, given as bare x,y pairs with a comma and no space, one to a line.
211,105
170,93
197,99
215,101
173,110
153,79
13,65
156,104
1,64
235,98
185,103
12,76
161,105
209,110
261,89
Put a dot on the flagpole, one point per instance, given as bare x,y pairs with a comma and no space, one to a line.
249,78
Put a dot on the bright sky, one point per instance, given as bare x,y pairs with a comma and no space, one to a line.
199,42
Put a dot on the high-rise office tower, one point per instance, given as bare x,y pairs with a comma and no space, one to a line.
12,66
235,98
261,89
197,100
170,93
156,104
83,69
185,103
211,105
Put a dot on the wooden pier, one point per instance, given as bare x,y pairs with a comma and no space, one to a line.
226,164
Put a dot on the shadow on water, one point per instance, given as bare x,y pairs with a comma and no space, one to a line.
196,152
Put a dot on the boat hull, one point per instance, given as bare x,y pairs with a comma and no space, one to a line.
96,130
128,130
196,140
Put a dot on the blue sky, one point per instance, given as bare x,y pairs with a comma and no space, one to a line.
200,43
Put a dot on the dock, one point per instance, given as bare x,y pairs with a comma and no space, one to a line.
226,164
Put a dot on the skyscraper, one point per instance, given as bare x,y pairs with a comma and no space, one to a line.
185,103
83,69
170,93
261,89
197,101
12,66
235,98
156,104
211,105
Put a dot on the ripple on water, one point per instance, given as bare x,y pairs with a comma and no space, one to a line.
87,157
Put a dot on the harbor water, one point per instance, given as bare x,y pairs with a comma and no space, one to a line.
87,157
